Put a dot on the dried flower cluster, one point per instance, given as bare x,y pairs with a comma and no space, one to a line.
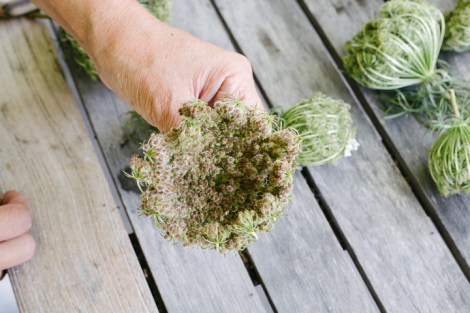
159,8
457,36
219,178
326,129
449,157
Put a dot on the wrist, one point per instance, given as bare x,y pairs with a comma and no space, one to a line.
125,35
106,22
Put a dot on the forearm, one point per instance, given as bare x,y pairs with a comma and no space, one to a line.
98,25
74,15
120,36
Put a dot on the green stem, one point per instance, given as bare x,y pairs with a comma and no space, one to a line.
453,100
34,15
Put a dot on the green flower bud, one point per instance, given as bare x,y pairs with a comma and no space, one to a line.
398,49
449,160
449,157
326,129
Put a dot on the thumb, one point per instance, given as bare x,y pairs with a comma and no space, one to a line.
248,95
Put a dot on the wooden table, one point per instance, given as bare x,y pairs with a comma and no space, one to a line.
368,235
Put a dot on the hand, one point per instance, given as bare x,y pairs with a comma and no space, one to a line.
151,65
16,245
156,68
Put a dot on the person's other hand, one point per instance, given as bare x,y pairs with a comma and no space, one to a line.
16,244
156,68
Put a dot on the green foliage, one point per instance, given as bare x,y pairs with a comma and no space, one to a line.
457,36
326,129
429,103
72,49
136,129
219,178
159,8
449,157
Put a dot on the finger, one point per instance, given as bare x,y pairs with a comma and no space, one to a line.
16,251
220,95
252,98
15,220
239,88
13,196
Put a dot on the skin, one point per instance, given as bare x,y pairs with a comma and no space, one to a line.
151,65
16,244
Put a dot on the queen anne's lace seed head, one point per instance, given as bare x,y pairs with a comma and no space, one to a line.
457,36
398,49
449,160
449,157
326,129
219,178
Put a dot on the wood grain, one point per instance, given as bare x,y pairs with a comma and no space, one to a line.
189,280
84,260
303,266
405,259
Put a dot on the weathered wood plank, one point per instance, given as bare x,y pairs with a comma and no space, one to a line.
406,261
454,212
84,260
303,266
189,280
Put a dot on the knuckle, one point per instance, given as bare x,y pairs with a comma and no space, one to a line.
243,60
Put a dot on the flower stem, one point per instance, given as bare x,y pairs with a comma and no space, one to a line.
453,100
34,15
